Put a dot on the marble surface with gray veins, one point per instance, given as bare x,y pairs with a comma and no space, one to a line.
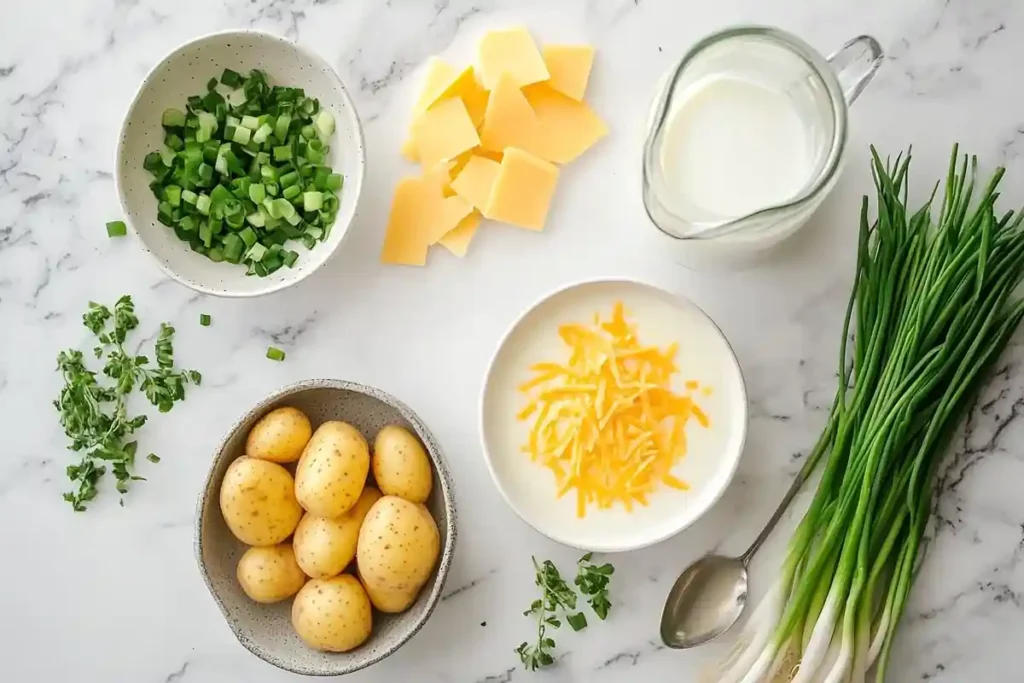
113,595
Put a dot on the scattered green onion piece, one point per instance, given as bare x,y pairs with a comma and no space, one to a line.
256,253
282,153
289,179
312,201
211,84
241,135
189,197
203,204
116,229
257,193
290,257
283,207
230,78
250,122
325,124
172,193
291,192
256,219
173,118
281,126
233,248
274,353
174,142
262,133
248,236
334,182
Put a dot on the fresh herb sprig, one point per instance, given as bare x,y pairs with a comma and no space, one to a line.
95,416
558,597
592,581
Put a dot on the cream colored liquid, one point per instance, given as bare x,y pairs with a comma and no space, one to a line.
733,147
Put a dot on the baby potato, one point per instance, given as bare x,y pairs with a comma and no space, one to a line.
270,574
332,470
400,465
324,546
333,615
398,548
257,499
279,436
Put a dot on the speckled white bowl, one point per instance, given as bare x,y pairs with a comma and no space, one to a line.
184,72
265,630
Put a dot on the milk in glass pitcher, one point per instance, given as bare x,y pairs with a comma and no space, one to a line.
746,137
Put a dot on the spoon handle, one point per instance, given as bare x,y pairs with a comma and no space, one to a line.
779,511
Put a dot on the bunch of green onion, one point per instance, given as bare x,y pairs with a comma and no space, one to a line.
933,305
240,175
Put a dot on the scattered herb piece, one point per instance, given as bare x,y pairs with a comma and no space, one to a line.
153,458
592,582
95,416
116,229
205,319
274,353
556,596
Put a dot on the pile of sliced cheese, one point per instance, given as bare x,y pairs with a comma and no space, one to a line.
487,140
607,422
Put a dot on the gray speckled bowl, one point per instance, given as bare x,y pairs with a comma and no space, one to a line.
265,630
185,72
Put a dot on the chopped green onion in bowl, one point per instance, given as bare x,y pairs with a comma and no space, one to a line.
242,174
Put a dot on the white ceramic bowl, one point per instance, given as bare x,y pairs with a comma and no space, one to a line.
713,453
185,72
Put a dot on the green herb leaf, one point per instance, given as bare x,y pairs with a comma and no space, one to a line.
593,581
577,621
95,416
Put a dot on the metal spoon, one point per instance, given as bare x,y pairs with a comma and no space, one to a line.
709,596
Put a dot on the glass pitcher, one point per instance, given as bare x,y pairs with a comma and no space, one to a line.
819,89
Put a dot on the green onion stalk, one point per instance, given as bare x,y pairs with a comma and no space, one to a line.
932,307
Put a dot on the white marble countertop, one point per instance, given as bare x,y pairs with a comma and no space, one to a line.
113,595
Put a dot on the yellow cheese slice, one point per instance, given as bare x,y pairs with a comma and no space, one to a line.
420,216
569,66
509,120
444,132
457,240
522,190
444,216
405,240
440,76
565,128
472,94
511,52
474,182
409,151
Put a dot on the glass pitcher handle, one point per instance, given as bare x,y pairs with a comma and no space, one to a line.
855,65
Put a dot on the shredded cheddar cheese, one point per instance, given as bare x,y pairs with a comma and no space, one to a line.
607,422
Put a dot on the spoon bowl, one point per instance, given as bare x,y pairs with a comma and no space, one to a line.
705,601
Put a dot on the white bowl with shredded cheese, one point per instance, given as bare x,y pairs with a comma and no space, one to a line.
613,415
